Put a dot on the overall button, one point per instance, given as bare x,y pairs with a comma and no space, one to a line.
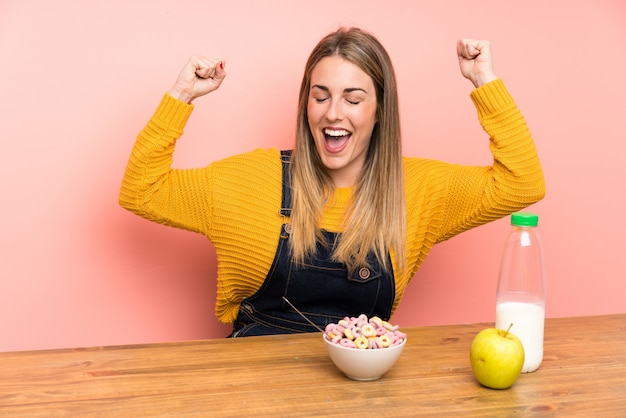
364,273
288,228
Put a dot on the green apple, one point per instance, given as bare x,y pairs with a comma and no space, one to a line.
497,357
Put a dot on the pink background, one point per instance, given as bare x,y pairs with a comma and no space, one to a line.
79,80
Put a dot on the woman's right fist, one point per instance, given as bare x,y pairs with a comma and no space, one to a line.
200,76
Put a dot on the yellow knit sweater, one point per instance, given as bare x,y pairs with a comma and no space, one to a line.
235,202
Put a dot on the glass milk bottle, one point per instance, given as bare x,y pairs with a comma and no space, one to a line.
521,293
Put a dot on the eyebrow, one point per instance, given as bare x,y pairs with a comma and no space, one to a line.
347,90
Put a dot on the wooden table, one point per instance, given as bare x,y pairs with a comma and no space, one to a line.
583,374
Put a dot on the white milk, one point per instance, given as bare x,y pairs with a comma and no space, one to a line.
528,320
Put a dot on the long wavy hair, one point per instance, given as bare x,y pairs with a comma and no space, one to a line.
376,219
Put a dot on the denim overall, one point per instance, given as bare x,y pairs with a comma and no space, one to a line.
320,288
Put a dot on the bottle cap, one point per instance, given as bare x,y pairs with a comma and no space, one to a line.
524,219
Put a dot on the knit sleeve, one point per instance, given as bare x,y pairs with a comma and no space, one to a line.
155,191
477,195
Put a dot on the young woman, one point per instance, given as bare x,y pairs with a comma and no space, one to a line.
340,224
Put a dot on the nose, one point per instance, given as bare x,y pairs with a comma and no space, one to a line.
335,110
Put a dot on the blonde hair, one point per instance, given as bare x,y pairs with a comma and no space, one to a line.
376,218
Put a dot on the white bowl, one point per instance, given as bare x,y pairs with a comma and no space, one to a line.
363,364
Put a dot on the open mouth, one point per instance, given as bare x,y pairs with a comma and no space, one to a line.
336,139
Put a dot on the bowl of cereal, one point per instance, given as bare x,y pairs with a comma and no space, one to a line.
364,348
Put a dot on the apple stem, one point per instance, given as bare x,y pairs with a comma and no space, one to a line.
508,329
